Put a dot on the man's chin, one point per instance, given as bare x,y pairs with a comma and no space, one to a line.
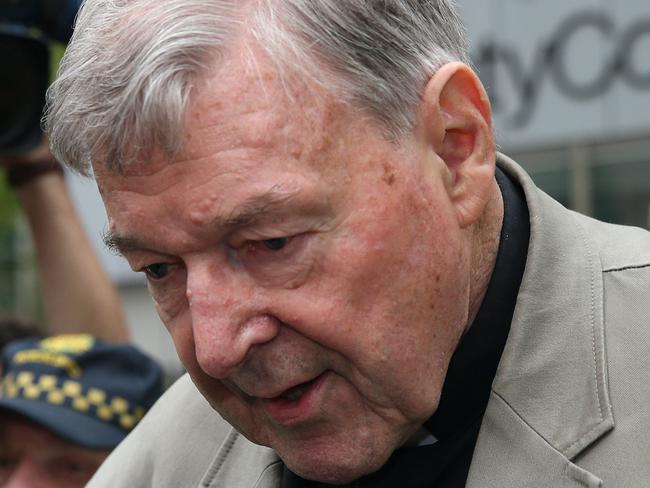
334,475
334,468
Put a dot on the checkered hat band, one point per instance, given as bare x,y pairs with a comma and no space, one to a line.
68,393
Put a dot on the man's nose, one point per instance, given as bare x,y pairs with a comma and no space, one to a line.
229,317
23,475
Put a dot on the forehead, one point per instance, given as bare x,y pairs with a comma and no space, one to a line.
248,104
16,430
250,124
245,104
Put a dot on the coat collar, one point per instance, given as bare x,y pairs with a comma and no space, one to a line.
549,398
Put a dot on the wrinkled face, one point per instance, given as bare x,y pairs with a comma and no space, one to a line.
32,457
312,275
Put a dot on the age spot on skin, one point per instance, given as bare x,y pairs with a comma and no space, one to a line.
389,174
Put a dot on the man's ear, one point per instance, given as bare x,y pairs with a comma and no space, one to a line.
455,120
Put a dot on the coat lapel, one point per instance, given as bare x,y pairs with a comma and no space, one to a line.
550,399
240,463
511,454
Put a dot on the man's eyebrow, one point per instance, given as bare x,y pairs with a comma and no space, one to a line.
119,244
257,206
246,214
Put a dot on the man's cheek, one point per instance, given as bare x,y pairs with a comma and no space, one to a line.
236,410
180,330
170,301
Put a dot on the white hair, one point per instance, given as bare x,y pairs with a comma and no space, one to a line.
126,79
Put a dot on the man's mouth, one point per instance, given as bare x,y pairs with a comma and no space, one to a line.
296,404
295,393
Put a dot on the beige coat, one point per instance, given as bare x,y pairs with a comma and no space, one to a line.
570,404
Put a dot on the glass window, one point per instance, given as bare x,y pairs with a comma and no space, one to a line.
622,193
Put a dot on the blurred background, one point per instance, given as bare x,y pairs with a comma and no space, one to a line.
570,86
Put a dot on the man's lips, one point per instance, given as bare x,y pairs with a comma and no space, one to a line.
293,394
297,403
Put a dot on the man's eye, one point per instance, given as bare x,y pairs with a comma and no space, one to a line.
275,244
157,271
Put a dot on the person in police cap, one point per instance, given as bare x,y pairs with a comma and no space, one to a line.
65,402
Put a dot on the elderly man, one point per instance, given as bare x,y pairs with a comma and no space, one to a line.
310,188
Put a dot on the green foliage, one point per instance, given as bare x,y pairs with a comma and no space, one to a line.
8,207
8,213
56,53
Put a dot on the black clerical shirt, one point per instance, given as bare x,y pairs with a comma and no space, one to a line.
465,393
